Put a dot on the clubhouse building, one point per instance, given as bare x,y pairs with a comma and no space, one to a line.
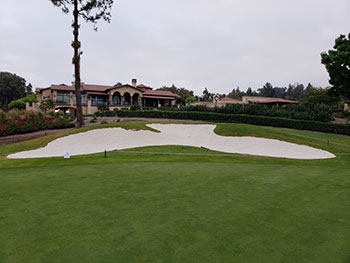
95,96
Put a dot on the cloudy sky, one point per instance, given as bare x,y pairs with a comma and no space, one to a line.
218,44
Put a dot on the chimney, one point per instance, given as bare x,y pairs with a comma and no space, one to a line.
134,82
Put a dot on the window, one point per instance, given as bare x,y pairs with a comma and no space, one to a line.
83,102
63,98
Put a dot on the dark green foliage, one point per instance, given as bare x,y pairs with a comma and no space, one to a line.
182,92
237,93
17,104
303,111
107,113
89,10
102,108
190,99
337,63
181,101
274,92
242,118
295,91
135,107
318,95
267,90
21,103
12,87
207,96
30,98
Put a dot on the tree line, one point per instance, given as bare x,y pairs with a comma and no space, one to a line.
297,91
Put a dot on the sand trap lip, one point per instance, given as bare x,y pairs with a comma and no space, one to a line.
109,139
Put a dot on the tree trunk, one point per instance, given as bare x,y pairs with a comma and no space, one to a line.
76,62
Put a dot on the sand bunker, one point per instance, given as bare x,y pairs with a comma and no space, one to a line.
109,139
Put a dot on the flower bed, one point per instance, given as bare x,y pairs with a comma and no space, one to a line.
10,125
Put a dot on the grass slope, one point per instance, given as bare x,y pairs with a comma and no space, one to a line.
177,204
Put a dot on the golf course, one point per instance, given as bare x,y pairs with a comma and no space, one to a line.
177,203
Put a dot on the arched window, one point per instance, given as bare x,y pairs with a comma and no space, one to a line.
135,98
127,98
117,98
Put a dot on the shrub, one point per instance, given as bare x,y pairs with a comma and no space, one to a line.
135,107
302,111
102,108
108,113
17,104
47,104
16,122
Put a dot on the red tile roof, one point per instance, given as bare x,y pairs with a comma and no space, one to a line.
102,89
229,99
202,102
163,93
157,97
98,88
40,89
63,87
143,87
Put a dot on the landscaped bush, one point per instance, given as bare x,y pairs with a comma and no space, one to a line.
302,111
17,104
107,113
16,122
242,118
21,103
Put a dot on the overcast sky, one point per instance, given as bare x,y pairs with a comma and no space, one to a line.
218,44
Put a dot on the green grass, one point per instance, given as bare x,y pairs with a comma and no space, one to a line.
177,204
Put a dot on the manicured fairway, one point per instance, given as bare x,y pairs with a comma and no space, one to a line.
178,204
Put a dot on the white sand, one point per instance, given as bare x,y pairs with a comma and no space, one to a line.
109,139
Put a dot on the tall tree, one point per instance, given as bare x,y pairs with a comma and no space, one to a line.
295,91
184,93
337,62
12,87
236,93
316,95
90,11
267,90
279,92
207,96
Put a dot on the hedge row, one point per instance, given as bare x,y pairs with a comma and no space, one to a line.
242,118
32,123
302,111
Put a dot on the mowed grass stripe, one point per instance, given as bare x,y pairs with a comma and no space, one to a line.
180,212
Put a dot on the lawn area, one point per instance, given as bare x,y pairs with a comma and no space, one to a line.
177,204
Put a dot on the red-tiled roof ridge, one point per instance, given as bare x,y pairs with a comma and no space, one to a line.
228,99
163,93
128,85
143,86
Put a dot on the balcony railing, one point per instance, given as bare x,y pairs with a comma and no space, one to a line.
62,102
98,103
118,103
